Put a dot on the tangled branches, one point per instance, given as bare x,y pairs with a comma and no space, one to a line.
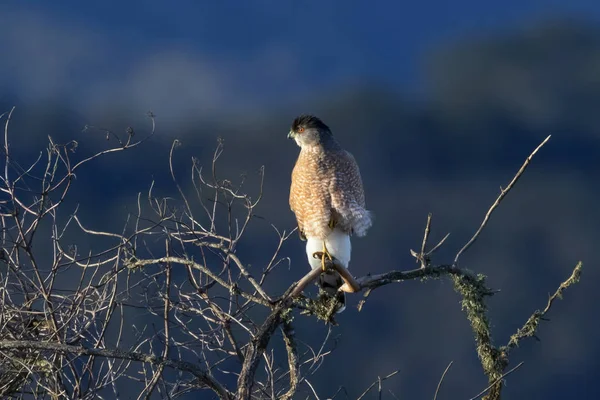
69,322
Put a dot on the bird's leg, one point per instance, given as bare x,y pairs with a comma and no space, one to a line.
332,222
325,254
301,234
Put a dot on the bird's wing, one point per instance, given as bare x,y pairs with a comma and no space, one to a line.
293,190
294,200
346,184
347,194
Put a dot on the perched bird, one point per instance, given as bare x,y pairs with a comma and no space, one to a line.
327,198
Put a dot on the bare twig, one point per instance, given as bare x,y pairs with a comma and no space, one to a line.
312,388
215,313
377,382
437,246
423,260
503,193
133,264
484,391
184,366
437,390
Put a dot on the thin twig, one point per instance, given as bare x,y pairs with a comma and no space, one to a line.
424,262
437,390
204,376
437,246
378,381
503,193
133,264
312,388
484,391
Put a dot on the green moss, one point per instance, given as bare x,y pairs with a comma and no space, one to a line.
473,291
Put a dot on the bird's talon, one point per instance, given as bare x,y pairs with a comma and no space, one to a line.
325,254
324,257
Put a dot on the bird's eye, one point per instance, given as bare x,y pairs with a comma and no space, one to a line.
300,130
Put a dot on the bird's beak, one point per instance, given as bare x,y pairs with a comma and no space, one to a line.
291,135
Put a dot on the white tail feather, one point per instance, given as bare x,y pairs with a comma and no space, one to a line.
338,245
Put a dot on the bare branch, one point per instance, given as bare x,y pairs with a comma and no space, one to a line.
503,193
377,382
202,375
293,361
437,390
255,351
218,312
133,263
532,324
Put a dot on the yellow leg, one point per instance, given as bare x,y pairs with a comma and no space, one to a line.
325,255
332,223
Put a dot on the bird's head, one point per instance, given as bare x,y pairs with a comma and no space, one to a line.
308,130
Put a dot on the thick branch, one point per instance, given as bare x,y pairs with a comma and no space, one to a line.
374,281
255,350
293,360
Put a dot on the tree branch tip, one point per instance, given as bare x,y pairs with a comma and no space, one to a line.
360,305
577,272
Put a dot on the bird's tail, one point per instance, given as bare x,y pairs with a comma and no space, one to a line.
338,245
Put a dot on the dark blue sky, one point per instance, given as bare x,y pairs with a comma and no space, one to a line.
226,54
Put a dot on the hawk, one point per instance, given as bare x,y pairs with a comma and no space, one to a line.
327,198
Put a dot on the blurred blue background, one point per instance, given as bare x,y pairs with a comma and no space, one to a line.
440,104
